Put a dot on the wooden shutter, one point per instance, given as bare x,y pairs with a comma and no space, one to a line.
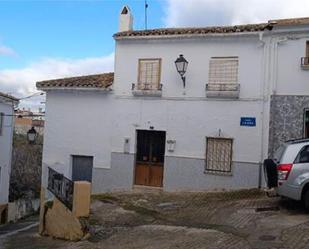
149,74
223,70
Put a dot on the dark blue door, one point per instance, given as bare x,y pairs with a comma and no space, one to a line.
82,168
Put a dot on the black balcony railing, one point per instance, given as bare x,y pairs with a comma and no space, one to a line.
147,87
305,61
61,187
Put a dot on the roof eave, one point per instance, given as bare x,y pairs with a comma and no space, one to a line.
4,99
187,36
101,89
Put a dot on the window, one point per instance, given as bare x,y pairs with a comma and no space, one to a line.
223,78
149,71
219,154
303,155
1,122
307,49
223,70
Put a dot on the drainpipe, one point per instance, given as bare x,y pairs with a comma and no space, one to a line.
264,79
275,67
270,78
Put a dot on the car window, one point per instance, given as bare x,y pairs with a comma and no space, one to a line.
303,155
279,153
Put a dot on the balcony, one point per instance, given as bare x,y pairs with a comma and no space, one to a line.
305,63
222,91
147,90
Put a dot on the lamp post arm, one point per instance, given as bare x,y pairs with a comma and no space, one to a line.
184,81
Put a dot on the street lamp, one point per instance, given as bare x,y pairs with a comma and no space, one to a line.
31,135
181,66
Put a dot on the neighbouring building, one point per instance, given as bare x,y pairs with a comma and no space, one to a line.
26,119
7,104
246,90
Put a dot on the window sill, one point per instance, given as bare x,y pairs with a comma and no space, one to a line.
222,94
219,173
222,91
150,93
305,66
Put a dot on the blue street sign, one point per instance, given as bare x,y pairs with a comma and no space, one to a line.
247,121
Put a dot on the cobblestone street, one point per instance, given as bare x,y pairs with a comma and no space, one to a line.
181,220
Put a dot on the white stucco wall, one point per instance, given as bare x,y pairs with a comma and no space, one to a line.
292,79
77,123
99,124
192,116
5,151
96,124
198,52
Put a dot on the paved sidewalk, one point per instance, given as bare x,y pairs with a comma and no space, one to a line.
13,228
178,221
24,235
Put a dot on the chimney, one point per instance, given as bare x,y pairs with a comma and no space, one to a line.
126,19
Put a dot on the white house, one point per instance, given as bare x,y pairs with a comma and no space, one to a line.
141,126
7,104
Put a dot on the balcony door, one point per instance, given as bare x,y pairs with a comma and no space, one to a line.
150,158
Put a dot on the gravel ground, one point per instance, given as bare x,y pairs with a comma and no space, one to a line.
243,219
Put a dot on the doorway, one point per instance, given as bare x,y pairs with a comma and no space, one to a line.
150,151
82,168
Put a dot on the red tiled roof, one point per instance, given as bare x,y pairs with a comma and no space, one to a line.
102,81
291,21
195,31
8,96
212,30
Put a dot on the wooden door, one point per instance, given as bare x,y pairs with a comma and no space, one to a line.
150,158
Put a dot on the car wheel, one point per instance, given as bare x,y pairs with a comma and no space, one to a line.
306,200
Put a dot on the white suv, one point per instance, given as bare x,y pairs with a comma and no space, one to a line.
288,171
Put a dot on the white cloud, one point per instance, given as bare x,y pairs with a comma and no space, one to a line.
21,82
224,12
6,51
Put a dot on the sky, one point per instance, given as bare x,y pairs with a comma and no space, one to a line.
47,39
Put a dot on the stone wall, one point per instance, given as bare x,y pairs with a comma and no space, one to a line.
58,221
286,119
61,223
22,208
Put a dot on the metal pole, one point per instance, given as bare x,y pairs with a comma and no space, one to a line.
146,7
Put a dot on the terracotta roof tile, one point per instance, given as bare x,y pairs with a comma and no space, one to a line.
212,30
291,21
89,81
193,31
8,96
